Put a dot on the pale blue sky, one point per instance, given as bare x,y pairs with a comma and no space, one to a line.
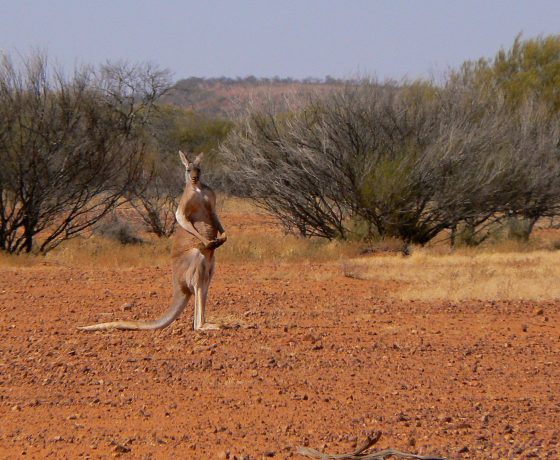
386,38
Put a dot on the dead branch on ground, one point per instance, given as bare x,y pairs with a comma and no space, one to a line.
361,454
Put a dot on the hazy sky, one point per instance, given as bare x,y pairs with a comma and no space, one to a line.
386,38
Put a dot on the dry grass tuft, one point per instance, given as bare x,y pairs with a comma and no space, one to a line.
232,204
254,247
465,275
23,260
98,251
104,252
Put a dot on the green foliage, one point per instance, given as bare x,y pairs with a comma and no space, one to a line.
519,228
529,68
389,182
199,133
465,235
179,129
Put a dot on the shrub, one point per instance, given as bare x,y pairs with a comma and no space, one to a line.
408,161
116,229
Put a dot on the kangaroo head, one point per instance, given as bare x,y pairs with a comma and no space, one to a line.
192,168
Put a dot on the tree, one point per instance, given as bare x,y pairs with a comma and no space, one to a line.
70,146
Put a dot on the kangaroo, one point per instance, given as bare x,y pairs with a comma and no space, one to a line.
192,254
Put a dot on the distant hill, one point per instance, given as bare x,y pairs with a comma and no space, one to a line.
227,97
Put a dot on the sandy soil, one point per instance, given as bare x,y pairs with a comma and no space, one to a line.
311,358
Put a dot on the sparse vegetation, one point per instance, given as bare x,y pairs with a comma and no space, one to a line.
500,273
230,97
501,269
472,159
351,315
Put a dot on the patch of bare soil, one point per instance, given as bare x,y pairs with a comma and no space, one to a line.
309,358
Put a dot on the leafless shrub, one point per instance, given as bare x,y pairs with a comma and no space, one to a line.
155,195
409,161
70,146
354,270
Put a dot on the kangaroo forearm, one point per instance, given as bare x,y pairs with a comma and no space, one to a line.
217,223
188,226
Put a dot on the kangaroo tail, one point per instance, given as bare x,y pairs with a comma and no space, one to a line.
177,306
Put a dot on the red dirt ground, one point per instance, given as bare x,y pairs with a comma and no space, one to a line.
316,359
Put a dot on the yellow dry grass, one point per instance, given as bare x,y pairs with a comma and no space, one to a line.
245,247
102,252
483,274
13,261
255,246
225,204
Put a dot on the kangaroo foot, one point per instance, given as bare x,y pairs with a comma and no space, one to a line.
209,327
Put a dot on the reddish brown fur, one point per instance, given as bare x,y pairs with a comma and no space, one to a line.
192,254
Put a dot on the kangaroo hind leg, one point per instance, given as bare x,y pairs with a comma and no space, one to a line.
200,297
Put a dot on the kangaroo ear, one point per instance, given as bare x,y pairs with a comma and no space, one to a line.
198,159
184,159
